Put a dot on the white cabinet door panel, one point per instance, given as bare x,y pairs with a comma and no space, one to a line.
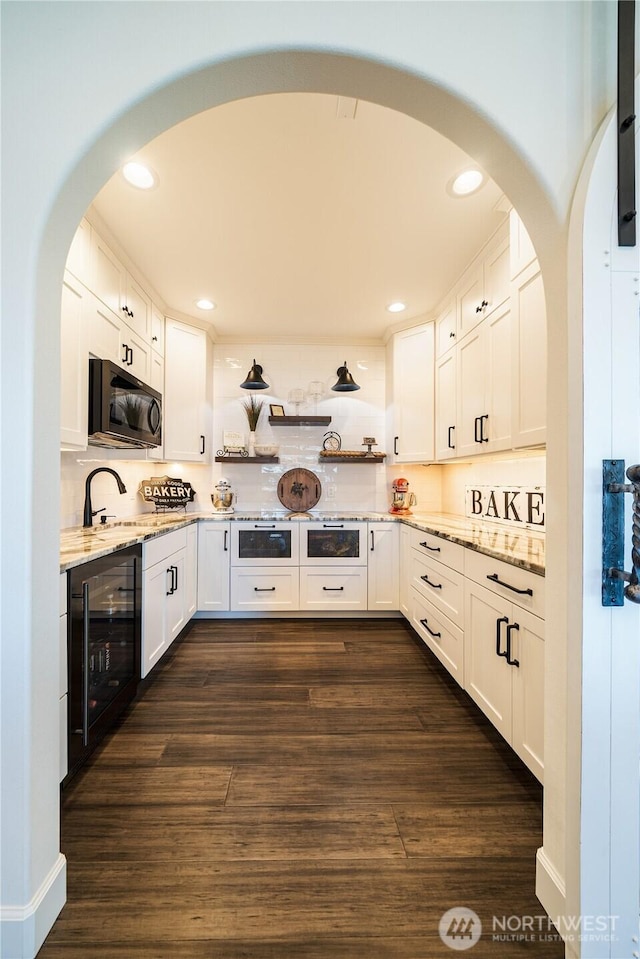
213,566
528,690
487,676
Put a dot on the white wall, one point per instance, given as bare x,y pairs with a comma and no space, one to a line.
119,74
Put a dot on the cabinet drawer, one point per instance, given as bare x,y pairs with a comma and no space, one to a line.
518,585
443,550
443,587
159,548
264,588
444,639
336,588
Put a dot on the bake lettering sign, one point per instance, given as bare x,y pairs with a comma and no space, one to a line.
166,491
517,505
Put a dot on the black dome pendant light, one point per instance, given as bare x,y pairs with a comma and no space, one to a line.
346,383
254,379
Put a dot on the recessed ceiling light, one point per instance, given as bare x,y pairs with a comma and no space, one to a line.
396,307
139,175
205,304
467,182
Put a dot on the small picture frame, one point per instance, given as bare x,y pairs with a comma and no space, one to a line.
276,410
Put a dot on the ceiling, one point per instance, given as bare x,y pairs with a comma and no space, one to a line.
297,222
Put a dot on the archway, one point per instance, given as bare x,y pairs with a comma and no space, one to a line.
31,852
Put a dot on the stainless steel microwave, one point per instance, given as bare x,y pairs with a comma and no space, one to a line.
123,411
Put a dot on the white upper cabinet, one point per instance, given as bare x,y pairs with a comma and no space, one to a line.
109,338
484,287
446,326
109,277
74,370
138,309
80,260
187,394
413,395
484,387
529,359
521,249
157,330
446,406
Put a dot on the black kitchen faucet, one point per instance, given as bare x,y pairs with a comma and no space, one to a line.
89,512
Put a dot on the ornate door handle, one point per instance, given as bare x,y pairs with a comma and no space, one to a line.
613,573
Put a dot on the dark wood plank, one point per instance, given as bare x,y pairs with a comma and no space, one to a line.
118,787
213,834
470,830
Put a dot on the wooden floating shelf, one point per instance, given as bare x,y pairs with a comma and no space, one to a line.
299,420
348,457
247,459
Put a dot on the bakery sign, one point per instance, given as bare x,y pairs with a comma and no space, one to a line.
166,492
515,505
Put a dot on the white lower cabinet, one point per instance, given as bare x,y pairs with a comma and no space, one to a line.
443,638
383,562
504,670
333,588
74,366
213,566
264,588
169,591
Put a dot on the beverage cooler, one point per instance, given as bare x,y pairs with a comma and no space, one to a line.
104,603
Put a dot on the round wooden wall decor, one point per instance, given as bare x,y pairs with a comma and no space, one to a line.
299,490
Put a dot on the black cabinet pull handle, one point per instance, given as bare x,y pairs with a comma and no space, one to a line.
226,541
258,526
514,589
434,549
126,353
124,309
483,438
480,308
202,442
476,439
433,585
333,589
395,445
175,569
510,628
171,590
333,525
503,619
373,541
264,589
430,631
451,335
450,445
131,352
154,339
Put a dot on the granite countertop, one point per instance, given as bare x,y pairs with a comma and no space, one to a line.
514,545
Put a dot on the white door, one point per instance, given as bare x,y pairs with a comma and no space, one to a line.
609,867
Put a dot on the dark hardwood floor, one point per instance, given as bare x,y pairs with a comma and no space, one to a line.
310,789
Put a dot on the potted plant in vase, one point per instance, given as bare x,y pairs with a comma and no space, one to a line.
253,408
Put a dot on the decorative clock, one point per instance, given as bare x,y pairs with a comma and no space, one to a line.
332,441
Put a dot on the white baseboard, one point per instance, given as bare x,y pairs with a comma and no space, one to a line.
550,888
23,929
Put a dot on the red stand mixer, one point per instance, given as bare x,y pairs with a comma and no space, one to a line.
403,500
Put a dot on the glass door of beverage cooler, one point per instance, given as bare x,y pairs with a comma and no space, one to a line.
333,544
104,646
